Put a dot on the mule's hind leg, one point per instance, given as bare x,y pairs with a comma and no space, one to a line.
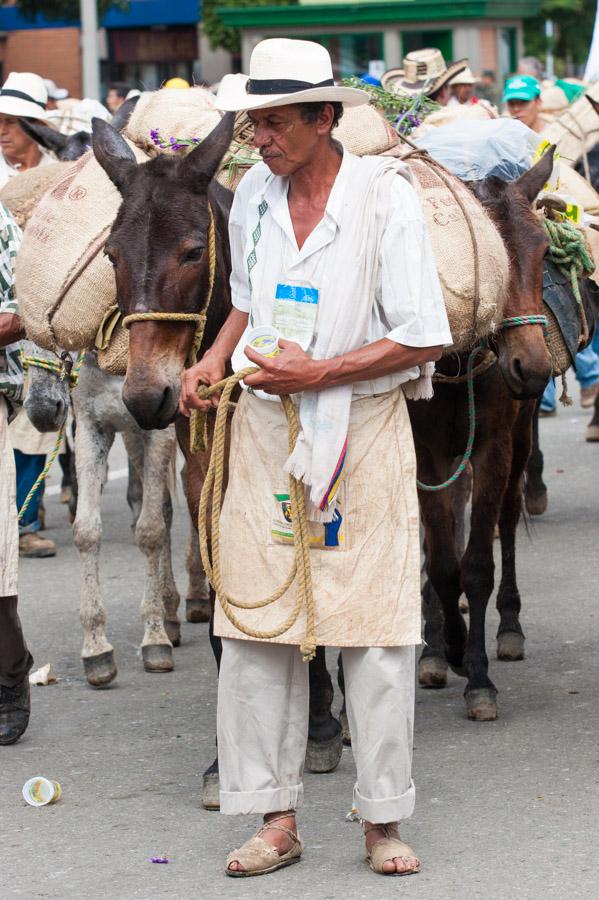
510,637
325,738
535,489
197,599
168,586
91,454
150,534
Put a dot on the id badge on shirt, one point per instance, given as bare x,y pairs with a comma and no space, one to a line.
295,312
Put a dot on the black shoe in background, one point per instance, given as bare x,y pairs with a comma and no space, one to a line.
15,706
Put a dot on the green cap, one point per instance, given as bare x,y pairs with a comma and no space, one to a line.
521,87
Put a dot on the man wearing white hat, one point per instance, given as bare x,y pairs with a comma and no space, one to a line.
330,252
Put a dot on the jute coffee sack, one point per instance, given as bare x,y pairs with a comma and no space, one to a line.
575,129
365,132
64,282
465,241
167,115
22,193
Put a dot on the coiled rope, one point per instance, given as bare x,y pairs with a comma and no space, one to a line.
210,547
62,370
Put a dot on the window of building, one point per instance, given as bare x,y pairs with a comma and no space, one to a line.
350,53
417,40
507,51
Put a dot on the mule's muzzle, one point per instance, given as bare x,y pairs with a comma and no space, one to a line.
523,380
152,406
46,413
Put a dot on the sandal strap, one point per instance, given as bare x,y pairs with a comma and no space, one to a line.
385,827
273,824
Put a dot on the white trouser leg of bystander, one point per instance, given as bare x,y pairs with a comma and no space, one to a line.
262,725
379,694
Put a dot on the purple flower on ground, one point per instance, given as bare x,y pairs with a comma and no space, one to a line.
162,860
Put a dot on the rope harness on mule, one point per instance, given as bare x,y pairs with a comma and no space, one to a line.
197,423
62,371
210,549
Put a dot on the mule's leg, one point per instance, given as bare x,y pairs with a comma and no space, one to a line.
535,489
135,483
510,637
210,796
432,665
91,454
343,720
197,601
168,586
491,464
325,738
592,432
443,569
150,535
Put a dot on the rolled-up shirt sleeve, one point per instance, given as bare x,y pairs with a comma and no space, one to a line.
410,303
240,290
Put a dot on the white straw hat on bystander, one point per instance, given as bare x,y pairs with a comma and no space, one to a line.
24,94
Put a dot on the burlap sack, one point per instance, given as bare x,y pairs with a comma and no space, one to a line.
174,114
571,184
454,253
363,130
575,128
112,343
22,193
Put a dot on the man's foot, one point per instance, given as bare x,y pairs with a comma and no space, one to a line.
546,413
34,545
15,705
587,395
282,838
385,851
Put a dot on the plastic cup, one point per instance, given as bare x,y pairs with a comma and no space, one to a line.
40,791
264,340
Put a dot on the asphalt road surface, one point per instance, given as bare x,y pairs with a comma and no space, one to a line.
504,810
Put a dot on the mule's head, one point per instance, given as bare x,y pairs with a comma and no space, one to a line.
523,355
159,249
47,400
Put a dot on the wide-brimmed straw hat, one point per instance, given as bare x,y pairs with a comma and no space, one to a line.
464,77
423,72
24,94
284,71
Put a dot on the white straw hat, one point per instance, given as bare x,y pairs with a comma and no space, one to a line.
24,94
423,72
465,77
284,71
55,92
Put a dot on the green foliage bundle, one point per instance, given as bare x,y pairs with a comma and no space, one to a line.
403,111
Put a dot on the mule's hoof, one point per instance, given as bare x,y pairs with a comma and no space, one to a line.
592,433
536,504
158,658
210,790
100,670
324,756
173,631
197,609
481,704
432,672
345,732
510,646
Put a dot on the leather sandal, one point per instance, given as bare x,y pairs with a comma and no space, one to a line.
387,849
258,857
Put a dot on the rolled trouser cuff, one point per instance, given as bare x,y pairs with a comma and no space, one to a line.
240,803
391,809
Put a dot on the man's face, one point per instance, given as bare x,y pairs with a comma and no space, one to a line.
113,101
285,142
13,140
526,111
464,92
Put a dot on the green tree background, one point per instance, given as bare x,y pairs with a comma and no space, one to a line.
573,23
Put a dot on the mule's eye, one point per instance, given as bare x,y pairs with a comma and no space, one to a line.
111,255
194,254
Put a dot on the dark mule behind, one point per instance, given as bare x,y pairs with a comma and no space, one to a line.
505,402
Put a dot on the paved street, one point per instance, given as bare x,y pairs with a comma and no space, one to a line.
504,810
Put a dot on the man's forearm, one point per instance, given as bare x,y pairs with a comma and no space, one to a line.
11,329
229,335
373,361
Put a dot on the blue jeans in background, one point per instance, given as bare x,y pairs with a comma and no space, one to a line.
28,468
587,372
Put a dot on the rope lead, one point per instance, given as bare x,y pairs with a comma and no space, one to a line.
213,488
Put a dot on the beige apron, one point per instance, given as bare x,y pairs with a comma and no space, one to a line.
9,532
366,590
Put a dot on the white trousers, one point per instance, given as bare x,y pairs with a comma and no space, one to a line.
262,724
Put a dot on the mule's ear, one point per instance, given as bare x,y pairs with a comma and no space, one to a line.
121,117
112,152
49,138
593,103
206,158
532,181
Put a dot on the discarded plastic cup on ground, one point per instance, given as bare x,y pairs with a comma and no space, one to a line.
40,791
264,340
